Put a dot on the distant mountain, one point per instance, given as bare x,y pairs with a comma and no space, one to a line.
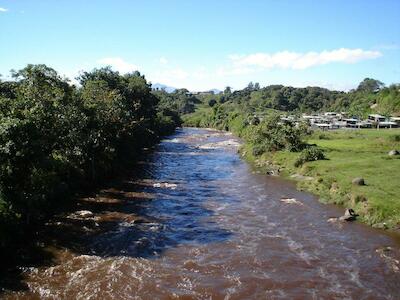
159,86
216,91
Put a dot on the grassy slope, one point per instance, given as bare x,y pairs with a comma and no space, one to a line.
350,154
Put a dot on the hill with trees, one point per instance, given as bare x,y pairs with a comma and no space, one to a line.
370,97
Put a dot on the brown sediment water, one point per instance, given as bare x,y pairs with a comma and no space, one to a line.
197,223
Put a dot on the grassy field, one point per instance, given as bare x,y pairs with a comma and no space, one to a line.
350,154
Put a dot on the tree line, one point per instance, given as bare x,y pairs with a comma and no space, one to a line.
371,96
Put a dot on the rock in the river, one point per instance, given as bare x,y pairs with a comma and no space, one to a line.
84,213
332,220
380,225
358,181
393,153
349,215
291,201
167,185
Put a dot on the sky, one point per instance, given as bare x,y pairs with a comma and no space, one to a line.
201,45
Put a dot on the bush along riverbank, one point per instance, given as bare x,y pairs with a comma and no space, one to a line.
352,168
57,138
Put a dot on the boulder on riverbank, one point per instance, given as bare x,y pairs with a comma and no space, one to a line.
349,215
358,181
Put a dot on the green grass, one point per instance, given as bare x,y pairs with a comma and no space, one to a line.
350,154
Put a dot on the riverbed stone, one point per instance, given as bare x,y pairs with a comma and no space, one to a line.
358,181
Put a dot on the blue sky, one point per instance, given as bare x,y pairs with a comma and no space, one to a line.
208,44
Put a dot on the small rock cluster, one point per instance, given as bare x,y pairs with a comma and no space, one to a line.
268,167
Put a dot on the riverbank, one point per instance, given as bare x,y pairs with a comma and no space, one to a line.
57,140
349,154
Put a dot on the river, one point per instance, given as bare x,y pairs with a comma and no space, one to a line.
197,223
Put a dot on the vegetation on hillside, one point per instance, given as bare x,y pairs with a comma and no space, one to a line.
369,97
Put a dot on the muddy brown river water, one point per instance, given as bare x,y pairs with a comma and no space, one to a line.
197,223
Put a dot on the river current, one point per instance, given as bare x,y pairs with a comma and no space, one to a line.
197,223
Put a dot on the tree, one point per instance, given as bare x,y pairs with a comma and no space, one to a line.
250,86
370,85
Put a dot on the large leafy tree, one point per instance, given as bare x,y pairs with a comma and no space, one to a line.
370,85
34,136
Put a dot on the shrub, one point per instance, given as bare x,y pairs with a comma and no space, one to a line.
309,154
258,150
323,136
273,135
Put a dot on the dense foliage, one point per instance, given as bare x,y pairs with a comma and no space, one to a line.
181,101
273,135
56,137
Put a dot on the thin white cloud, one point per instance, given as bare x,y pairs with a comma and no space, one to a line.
163,60
235,70
299,61
2,9
388,47
118,64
